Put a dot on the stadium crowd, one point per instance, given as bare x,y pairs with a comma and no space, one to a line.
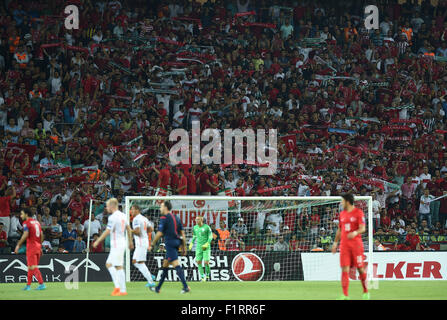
86,114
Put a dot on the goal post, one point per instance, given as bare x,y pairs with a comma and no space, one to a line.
318,212
87,255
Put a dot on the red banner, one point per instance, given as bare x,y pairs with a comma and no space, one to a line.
80,49
55,172
169,41
243,14
261,191
196,21
203,56
416,121
362,181
397,128
14,150
259,24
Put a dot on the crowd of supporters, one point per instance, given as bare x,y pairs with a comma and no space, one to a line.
87,113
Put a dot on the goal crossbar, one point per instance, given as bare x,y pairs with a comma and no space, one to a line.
254,198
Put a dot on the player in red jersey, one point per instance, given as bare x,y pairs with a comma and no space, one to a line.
32,234
351,226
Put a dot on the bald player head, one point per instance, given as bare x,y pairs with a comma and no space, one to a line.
112,205
199,220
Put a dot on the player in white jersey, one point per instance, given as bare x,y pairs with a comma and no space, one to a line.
116,228
141,226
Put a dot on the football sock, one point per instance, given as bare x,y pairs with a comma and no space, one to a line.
38,275
162,279
208,271
30,276
181,275
200,270
113,274
121,279
144,271
364,282
345,282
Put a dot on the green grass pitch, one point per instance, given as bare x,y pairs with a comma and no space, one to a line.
266,290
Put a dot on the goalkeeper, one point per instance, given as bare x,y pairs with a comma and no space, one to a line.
203,234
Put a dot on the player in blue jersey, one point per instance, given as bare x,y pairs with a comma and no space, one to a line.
171,229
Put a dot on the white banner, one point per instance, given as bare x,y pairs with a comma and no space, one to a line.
325,266
213,210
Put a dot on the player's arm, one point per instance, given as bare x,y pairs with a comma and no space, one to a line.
129,232
194,237
22,240
159,234
157,237
183,246
355,233
136,231
337,238
210,238
136,228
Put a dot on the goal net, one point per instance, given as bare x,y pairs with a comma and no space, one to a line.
256,238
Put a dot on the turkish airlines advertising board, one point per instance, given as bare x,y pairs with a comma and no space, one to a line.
322,266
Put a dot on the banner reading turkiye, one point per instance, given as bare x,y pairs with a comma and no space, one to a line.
214,211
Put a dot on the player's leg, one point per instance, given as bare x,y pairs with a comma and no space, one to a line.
139,259
345,281
200,267
173,255
199,259
360,264
121,279
146,273
38,274
345,263
181,275
206,260
33,270
32,262
113,272
119,263
363,279
164,274
29,278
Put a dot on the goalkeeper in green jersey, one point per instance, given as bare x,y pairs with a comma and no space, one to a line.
203,234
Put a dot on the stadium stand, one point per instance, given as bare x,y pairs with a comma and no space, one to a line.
87,113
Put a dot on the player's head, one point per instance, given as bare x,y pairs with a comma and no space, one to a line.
165,207
135,210
25,214
112,205
347,200
199,220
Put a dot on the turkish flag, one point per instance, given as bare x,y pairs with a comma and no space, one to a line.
290,141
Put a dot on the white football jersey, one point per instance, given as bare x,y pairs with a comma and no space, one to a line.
143,223
117,226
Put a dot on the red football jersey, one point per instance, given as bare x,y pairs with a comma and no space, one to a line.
350,221
34,229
